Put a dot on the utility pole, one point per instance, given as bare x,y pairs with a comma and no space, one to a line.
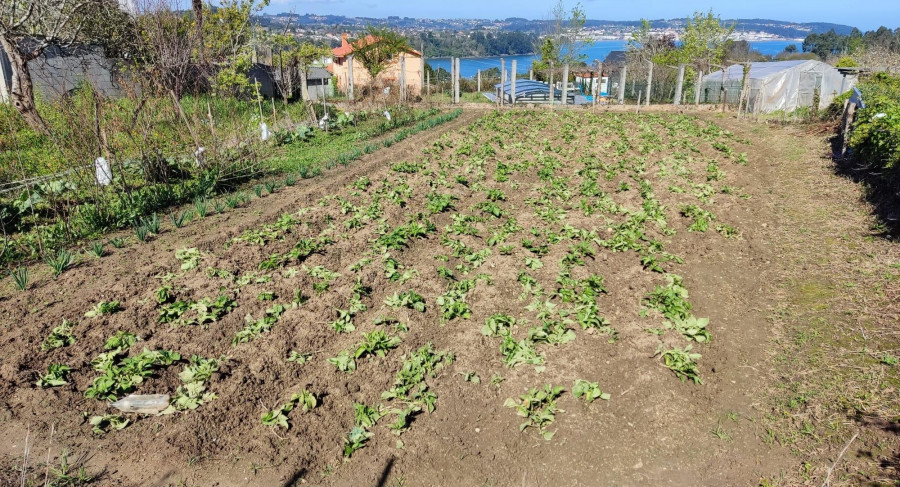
649,81
622,78
479,80
565,84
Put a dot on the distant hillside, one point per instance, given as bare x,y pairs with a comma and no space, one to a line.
793,30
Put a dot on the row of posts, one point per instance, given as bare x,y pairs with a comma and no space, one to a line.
595,91
595,83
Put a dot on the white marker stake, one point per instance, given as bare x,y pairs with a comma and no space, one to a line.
102,171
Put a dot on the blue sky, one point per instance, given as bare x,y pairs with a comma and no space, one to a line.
865,14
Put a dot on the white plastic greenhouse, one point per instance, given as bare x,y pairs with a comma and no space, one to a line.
781,85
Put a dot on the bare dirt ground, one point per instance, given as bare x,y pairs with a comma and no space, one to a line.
787,302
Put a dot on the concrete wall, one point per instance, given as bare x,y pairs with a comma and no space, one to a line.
390,76
58,72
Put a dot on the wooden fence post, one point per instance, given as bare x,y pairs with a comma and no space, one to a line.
551,85
403,78
512,83
679,86
502,80
744,98
350,77
699,88
422,68
456,85
452,78
649,81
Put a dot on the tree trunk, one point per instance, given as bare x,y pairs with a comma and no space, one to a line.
22,91
198,18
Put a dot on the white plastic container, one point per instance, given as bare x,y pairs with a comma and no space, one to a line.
142,403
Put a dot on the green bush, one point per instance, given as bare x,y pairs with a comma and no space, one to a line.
876,131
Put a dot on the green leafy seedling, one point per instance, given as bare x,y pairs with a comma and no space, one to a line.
104,308
55,376
60,336
355,440
683,363
538,407
589,391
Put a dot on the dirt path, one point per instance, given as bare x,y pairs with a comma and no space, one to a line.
800,225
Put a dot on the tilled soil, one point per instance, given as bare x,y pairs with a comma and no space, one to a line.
654,430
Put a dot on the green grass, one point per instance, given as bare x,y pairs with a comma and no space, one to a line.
444,98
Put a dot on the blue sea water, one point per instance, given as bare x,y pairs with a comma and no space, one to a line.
469,66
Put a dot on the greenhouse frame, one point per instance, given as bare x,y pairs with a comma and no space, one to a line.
530,92
777,86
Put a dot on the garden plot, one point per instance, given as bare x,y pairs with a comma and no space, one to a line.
500,268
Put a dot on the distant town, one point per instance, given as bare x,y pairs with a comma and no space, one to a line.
328,28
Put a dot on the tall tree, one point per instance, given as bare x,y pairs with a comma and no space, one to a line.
564,41
227,34
646,46
290,56
704,42
167,49
29,27
376,48
197,6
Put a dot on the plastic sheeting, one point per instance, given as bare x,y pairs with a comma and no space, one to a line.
781,85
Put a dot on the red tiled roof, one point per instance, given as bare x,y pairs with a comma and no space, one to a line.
346,47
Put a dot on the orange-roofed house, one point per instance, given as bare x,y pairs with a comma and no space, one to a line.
389,77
